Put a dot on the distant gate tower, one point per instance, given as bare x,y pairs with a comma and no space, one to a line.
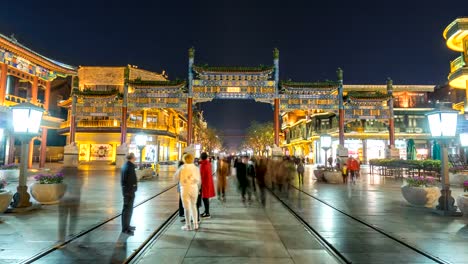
456,36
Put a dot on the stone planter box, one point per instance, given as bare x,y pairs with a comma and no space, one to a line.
421,196
5,200
144,174
9,175
333,177
457,179
48,193
319,175
462,203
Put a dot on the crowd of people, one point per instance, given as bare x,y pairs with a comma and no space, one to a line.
196,181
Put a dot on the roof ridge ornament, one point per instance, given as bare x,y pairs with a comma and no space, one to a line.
13,39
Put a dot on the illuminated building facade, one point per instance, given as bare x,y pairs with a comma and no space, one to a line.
366,132
110,105
26,75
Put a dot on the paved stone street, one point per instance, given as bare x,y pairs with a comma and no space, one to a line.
238,232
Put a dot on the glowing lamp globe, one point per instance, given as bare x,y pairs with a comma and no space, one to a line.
140,140
443,123
325,141
27,118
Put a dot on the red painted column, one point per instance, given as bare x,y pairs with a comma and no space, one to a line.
34,90
341,113
30,153
189,121
43,151
73,121
123,126
276,121
3,82
391,120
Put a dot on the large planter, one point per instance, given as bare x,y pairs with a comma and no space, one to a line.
420,196
9,175
457,179
48,193
5,199
333,177
462,203
144,174
319,175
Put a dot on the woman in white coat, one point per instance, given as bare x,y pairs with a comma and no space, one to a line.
190,183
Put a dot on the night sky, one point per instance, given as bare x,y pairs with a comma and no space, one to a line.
370,40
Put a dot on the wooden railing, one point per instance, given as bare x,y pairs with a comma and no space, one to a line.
19,100
116,123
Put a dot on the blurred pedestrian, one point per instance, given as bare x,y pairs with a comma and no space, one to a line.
128,181
70,204
353,167
223,172
241,173
260,176
300,172
190,181
251,174
207,185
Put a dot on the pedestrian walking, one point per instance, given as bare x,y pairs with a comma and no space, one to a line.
260,176
207,185
241,173
223,172
128,181
251,175
300,172
353,167
190,183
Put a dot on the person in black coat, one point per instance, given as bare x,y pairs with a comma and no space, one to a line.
128,181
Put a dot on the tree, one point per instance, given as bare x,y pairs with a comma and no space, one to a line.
207,137
259,136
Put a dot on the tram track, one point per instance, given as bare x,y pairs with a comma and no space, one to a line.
327,245
332,248
48,251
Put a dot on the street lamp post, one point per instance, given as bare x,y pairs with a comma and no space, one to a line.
443,126
140,141
26,123
325,143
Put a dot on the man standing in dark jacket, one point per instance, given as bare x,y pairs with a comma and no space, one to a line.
129,187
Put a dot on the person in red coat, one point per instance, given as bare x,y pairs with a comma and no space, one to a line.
208,190
353,168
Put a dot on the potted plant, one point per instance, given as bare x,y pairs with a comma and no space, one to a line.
9,172
48,188
5,196
420,191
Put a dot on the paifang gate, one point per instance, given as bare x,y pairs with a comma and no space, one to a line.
261,84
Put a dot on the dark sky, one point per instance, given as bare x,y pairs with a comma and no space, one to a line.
370,40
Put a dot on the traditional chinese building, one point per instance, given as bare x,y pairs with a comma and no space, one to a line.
110,105
367,122
26,75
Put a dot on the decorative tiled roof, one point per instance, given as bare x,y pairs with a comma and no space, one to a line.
13,45
324,84
233,69
93,93
363,96
140,82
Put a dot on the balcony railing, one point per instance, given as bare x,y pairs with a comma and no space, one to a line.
19,100
457,64
116,123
